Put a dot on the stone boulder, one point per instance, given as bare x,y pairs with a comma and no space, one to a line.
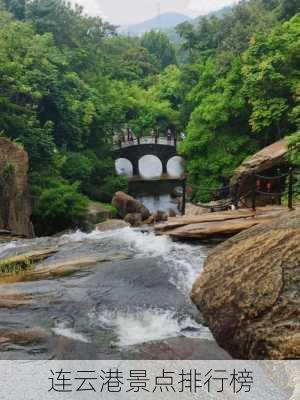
160,216
111,224
272,156
15,210
97,213
249,291
192,210
266,162
172,213
134,219
126,204
149,221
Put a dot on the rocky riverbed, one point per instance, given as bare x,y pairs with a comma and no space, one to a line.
115,294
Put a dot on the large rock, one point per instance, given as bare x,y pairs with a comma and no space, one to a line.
97,213
249,291
126,204
266,162
134,219
111,224
191,210
160,216
272,156
15,209
217,224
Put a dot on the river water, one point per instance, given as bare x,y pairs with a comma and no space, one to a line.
163,202
133,303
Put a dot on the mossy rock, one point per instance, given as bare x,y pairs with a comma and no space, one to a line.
99,212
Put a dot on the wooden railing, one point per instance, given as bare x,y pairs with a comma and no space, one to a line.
260,186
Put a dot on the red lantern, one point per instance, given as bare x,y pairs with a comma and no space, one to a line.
258,184
269,186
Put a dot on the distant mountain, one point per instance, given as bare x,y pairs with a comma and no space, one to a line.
223,11
219,14
162,22
174,37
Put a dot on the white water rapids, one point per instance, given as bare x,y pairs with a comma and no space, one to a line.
144,324
186,260
137,324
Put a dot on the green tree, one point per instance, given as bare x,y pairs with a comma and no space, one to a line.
159,46
69,84
218,134
137,64
288,8
77,167
59,208
26,67
16,7
271,77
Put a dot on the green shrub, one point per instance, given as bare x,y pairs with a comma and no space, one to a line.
59,208
77,167
113,211
110,186
11,267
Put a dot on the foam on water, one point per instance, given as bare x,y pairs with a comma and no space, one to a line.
163,202
62,329
9,246
184,263
184,260
145,243
149,325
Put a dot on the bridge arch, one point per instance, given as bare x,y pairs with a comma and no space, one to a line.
175,167
135,152
150,167
157,170
124,167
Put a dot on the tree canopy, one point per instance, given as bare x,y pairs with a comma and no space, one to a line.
247,86
70,82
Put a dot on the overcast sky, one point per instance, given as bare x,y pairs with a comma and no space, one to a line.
124,12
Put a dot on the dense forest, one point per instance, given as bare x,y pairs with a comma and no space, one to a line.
70,83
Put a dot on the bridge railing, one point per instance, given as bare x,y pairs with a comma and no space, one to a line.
146,140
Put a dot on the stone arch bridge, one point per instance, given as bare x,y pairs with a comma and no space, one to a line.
134,152
151,164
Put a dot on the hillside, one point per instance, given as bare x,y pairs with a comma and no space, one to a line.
174,36
162,22
218,14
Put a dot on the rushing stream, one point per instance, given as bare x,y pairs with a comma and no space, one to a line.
133,303
163,202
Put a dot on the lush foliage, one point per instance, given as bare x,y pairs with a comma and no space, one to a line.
159,45
294,147
69,84
59,208
246,93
